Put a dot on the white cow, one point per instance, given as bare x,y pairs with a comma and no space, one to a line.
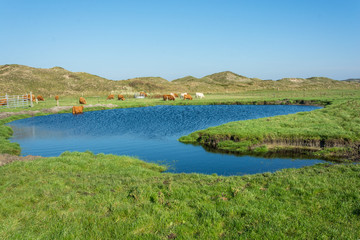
182,95
199,95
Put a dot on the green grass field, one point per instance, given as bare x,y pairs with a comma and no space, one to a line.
87,196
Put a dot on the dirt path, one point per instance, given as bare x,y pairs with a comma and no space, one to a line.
51,110
7,158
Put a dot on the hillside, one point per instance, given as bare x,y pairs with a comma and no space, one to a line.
310,83
18,79
228,76
357,80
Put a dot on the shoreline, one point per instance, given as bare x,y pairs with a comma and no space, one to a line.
269,139
257,149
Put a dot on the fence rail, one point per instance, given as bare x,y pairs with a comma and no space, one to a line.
15,101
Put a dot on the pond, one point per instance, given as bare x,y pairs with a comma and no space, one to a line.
151,134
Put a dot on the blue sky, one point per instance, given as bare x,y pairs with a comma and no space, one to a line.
175,38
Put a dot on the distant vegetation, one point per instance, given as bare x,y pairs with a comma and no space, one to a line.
18,79
357,80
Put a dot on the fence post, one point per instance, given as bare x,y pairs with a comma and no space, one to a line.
7,100
31,102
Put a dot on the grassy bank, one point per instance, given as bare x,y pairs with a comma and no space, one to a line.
86,196
329,133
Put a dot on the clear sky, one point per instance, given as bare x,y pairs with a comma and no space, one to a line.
268,39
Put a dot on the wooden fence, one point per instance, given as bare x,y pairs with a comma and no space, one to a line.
15,101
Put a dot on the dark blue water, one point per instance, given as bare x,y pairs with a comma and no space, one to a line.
151,134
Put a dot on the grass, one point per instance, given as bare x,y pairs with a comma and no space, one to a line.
86,196
329,133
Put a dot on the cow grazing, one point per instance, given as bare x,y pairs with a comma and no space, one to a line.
174,95
182,95
121,97
168,97
77,110
111,96
3,102
40,98
143,94
199,95
82,100
56,97
188,97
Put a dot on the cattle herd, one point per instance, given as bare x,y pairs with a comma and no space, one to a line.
184,96
166,97
77,110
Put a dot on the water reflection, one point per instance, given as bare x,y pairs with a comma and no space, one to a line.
33,132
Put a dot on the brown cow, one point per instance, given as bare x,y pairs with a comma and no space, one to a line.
168,97
175,95
143,94
40,98
3,102
111,96
77,110
82,100
187,96
31,97
121,97
56,97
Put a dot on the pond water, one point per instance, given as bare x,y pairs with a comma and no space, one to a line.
151,134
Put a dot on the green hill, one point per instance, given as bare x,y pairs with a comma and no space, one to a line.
228,76
19,79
